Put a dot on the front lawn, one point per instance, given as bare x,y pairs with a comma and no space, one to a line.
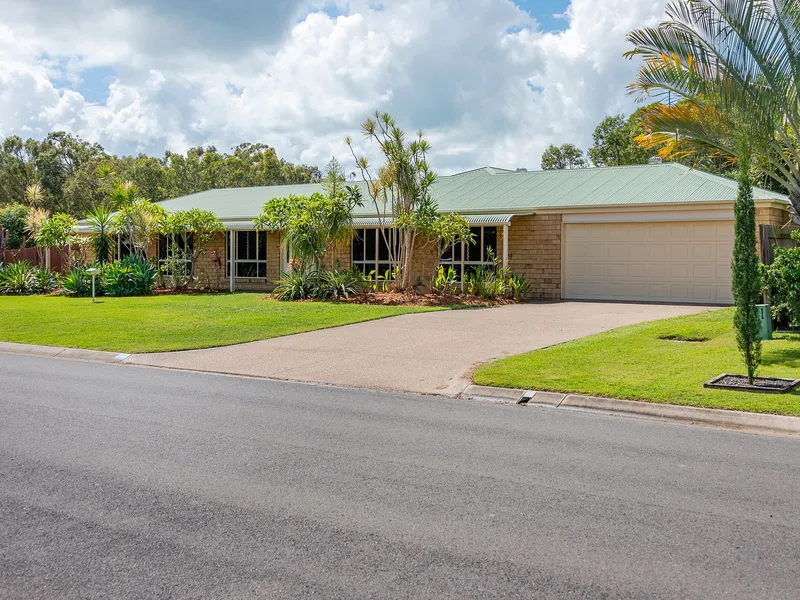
637,363
162,323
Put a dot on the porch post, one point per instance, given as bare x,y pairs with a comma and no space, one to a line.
463,274
232,261
505,245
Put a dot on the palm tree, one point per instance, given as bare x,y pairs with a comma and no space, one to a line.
738,63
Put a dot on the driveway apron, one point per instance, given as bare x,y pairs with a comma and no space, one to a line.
426,353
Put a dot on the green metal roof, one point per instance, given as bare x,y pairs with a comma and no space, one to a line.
478,219
498,191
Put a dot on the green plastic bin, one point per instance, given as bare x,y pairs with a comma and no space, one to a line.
765,322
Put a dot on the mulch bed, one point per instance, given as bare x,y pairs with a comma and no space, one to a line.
412,299
764,385
182,292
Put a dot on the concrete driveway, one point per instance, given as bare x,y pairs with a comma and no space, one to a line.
428,353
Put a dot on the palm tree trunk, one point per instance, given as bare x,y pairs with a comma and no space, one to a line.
794,199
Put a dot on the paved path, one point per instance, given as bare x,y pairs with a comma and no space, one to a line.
426,353
141,483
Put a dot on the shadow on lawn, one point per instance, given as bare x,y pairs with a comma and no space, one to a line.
787,357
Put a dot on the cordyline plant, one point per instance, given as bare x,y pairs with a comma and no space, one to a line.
728,57
101,221
399,189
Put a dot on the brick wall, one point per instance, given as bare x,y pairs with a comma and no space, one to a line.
771,215
206,272
534,250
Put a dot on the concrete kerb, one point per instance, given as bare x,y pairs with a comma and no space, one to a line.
56,352
690,414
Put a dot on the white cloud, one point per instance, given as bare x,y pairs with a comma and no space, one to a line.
478,76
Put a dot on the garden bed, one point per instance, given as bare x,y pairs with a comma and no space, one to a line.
413,299
740,383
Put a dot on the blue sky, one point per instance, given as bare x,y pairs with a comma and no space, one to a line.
301,75
544,12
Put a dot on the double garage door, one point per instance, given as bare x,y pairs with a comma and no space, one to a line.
688,262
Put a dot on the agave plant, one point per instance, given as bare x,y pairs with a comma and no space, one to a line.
736,61
18,279
78,283
341,283
298,285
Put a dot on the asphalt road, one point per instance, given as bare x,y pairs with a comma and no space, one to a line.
126,482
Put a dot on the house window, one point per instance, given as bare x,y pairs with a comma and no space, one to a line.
251,255
370,251
482,251
166,248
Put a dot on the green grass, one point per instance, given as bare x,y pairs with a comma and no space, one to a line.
162,323
634,363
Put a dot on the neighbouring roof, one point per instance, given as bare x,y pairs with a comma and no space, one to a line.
502,192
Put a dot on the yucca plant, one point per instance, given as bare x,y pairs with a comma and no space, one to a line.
101,220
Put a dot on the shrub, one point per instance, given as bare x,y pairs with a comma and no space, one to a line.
176,268
46,281
298,285
446,281
130,276
782,279
18,279
78,283
517,287
486,282
341,283
12,218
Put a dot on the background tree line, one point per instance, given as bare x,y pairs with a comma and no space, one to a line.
75,176
620,140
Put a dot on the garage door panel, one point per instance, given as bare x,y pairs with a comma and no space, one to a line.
658,252
659,262
679,292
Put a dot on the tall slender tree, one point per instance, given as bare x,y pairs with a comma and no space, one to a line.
747,285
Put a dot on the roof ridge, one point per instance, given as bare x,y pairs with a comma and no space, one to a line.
719,178
583,169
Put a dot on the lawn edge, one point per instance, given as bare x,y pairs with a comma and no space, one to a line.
762,422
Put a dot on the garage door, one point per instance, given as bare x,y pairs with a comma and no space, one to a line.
658,262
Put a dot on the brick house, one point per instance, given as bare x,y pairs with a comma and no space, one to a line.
659,232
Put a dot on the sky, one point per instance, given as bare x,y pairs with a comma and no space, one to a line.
490,82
